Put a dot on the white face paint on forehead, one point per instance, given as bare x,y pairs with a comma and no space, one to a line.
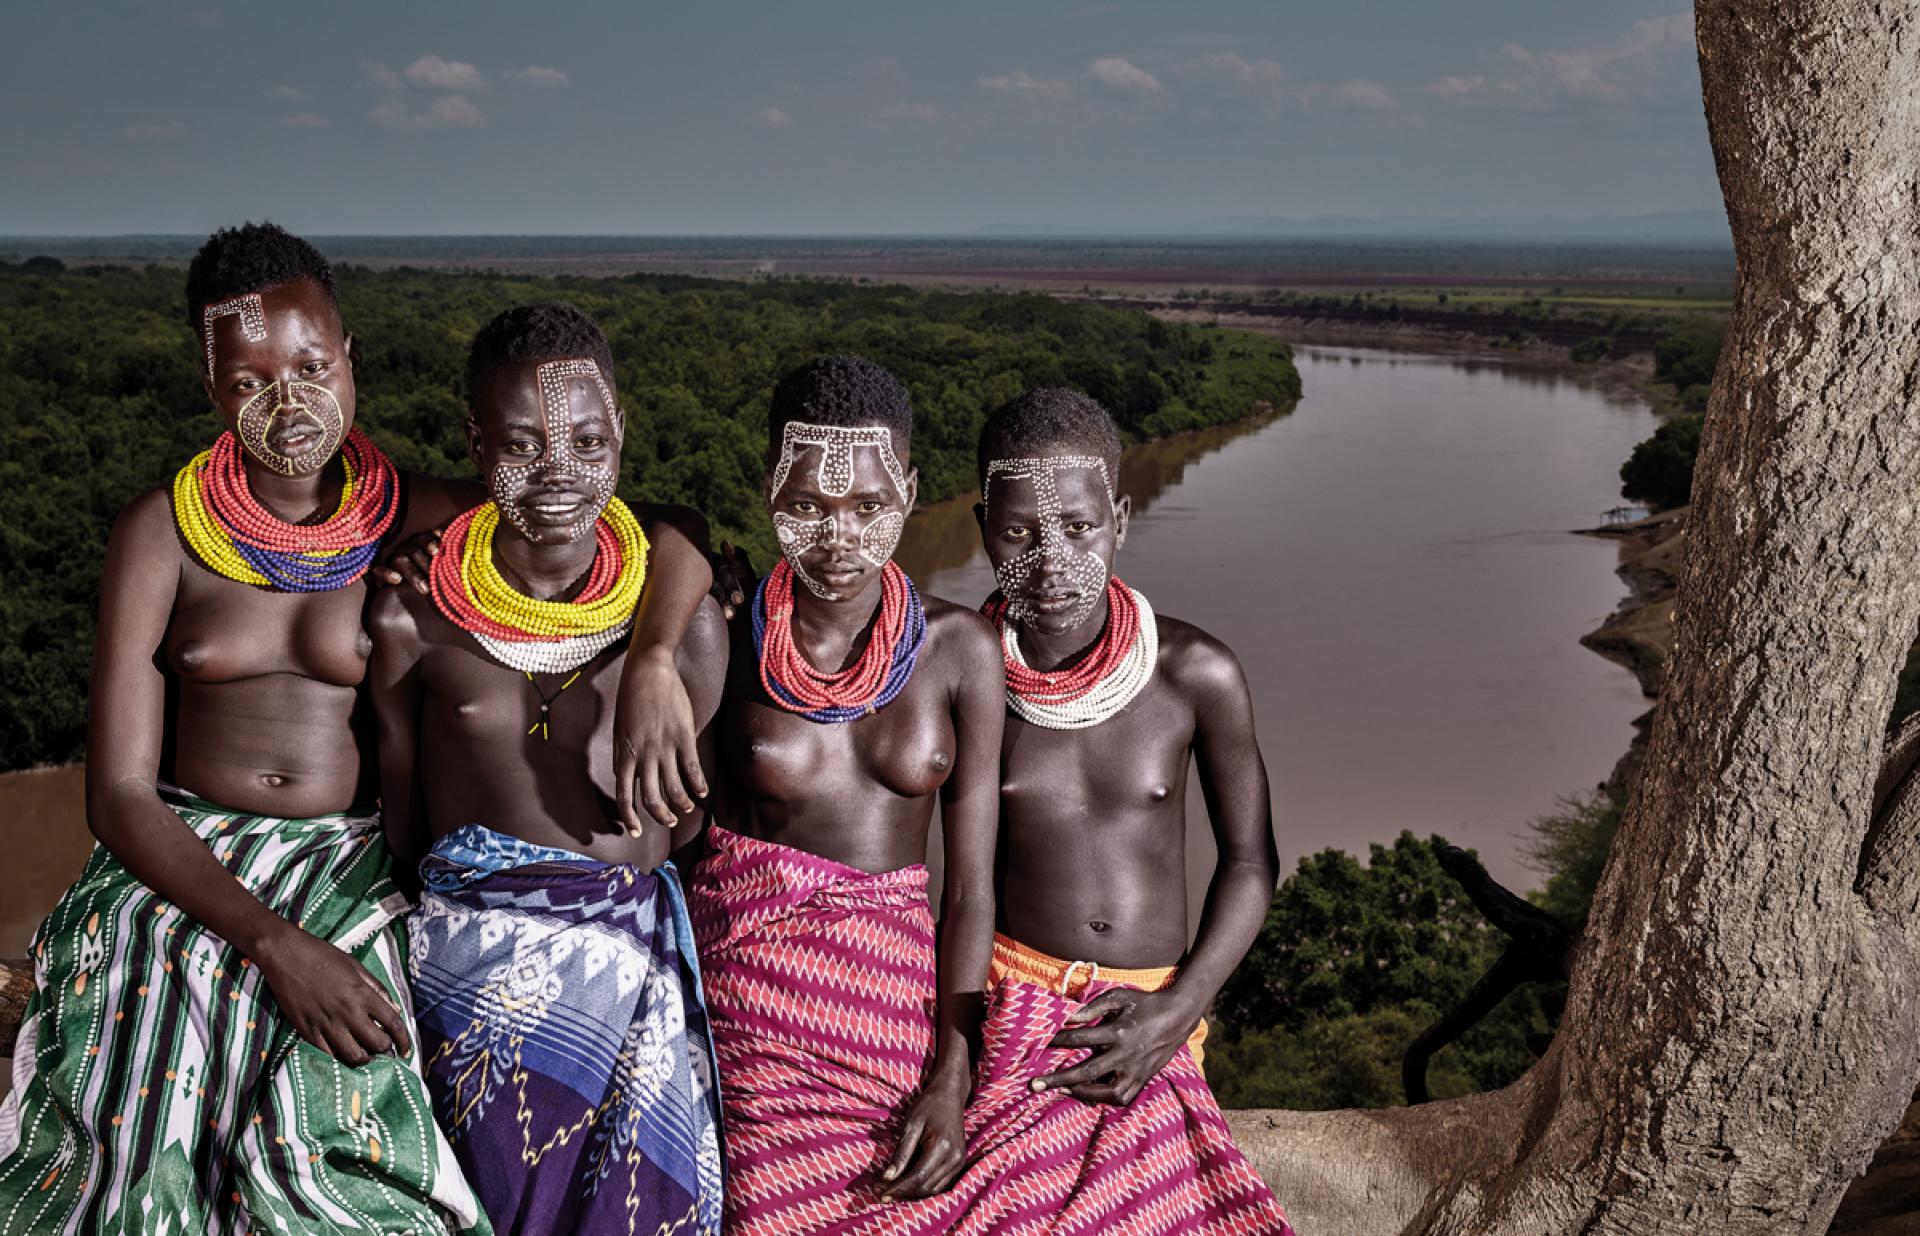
1085,573
558,462
836,444
834,479
253,322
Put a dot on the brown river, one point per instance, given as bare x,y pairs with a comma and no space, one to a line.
1390,560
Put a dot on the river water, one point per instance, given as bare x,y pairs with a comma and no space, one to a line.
1390,560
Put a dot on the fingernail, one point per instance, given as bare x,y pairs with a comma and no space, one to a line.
1036,1085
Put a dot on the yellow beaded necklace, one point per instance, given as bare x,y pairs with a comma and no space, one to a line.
499,601
209,539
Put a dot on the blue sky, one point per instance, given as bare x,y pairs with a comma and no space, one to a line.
813,117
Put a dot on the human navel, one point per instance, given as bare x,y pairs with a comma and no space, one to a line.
272,781
940,759
1158,793
1097,925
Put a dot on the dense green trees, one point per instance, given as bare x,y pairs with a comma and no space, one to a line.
1685,357
1660,470
1352,963
100,399
1355,961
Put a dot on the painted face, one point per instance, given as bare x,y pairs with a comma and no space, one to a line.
546,435
1052,527
281,374
840,500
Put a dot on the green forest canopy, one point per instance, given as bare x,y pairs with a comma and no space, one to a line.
100,400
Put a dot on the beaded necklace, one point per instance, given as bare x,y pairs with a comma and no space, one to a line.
1104,681
863,688
233,535
526,633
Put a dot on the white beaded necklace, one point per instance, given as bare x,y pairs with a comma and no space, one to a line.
1113,693
551,656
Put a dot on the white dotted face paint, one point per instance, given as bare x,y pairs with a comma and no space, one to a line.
834,479
1083,574
559,466
253,322
287,414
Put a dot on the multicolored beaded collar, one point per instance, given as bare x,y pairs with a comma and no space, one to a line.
1101,684
233,535
863,688
526,633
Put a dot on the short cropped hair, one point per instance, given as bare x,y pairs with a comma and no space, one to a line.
1045,420
848,391
251,258
553,330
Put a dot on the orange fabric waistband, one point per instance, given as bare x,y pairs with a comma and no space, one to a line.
1014,961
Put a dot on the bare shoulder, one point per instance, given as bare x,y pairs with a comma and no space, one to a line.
396,616
959,626
146,525
658,517
960,632
1201,668
433,500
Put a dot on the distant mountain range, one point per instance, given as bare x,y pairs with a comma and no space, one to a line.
1691,227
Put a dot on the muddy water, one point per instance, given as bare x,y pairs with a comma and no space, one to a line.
1391,562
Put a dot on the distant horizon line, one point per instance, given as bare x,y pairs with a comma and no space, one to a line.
978,234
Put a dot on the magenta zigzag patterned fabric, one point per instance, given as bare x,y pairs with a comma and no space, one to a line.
820,993
1049,1163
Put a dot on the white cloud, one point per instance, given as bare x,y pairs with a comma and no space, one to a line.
453,111
773,118
158,131
1122,75
1236,72
539,75
1026,86
904,115
305,120
1365,95
1631,68
432,73
382,76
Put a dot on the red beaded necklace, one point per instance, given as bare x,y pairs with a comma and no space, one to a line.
1058,686
363,520
855,687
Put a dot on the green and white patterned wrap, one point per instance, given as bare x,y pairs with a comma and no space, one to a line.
157,1089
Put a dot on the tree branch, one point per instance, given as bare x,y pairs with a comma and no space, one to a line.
1540,951
1889,874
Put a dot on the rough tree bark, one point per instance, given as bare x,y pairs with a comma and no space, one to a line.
1741,1029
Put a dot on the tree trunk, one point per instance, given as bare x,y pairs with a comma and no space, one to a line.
1741,1028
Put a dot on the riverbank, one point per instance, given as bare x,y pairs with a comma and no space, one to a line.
1628,374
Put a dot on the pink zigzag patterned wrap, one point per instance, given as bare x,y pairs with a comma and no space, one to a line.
820,993
1049,1163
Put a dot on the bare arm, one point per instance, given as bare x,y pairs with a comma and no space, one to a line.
396,691
655,755
1233,778
328,997
932,1142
